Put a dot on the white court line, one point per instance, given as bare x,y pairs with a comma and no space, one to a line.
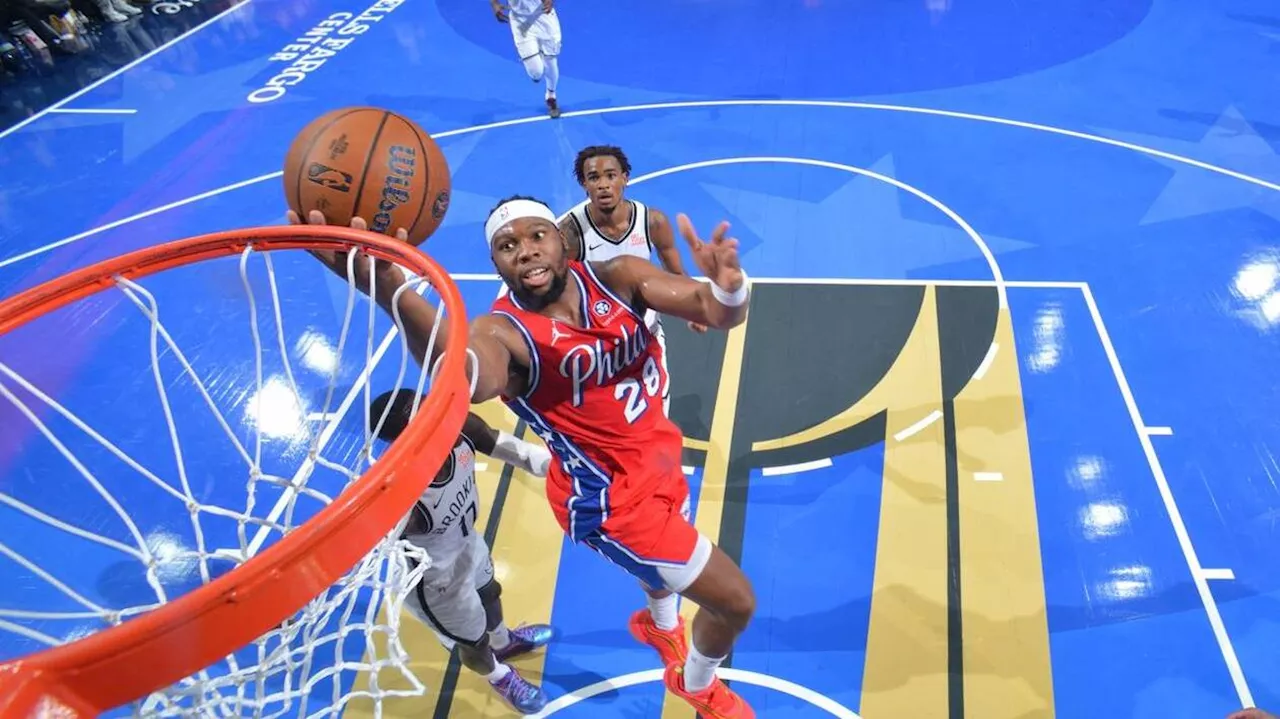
704,104
988,476
1218,574
782,686
960,222
1158,431
929,419
321,416
796,468
131,218
986,361
910,109
1171,506
687,469
90,111
121,70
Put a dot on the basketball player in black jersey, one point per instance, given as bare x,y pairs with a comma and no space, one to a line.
458,597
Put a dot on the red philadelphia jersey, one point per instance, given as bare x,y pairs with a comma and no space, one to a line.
595,396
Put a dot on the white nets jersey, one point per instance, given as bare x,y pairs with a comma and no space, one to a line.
599,247
524,8
444,518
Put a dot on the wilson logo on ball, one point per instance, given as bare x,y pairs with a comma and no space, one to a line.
326,176
395,190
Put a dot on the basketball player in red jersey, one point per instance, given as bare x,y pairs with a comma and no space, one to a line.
568,351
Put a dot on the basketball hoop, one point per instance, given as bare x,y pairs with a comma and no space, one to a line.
290,589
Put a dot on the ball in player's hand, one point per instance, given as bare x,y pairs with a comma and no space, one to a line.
363,162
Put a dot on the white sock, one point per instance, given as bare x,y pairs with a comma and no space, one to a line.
500,637
699,671
664,612
499,673
553,74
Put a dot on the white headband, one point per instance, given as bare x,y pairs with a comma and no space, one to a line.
514,210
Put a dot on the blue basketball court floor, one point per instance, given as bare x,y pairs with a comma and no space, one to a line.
998,439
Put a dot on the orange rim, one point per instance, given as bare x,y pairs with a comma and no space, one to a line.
127,662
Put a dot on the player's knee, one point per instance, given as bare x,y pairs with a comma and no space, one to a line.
739,606
737,599
477,656
535,67
478,647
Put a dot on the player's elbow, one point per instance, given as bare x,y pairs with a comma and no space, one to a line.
486,388
725,318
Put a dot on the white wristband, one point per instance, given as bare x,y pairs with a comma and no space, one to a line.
737,298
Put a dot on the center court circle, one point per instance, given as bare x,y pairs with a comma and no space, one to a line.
960,222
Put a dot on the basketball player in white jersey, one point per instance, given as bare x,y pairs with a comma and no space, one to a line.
535,27
607,225
458,597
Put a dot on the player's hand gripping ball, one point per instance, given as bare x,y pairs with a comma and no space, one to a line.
363,162
360,268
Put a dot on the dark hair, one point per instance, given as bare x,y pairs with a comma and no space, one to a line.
513,198
580,164
401,401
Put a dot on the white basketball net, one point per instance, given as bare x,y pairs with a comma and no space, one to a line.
338,647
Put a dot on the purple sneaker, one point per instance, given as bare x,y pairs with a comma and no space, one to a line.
524,638
524,697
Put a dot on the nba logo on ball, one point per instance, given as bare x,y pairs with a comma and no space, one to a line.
326,176
601,308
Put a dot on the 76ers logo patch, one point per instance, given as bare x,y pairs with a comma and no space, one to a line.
601,308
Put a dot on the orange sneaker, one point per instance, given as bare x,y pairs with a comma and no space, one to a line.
715,702
671,646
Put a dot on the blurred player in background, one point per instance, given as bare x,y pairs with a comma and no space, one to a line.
458,597
536,31
608,225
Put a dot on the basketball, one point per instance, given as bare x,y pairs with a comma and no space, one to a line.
369,163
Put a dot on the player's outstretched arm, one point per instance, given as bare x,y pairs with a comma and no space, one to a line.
500,354
419,316
532,458
664,239
722,303
572,238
